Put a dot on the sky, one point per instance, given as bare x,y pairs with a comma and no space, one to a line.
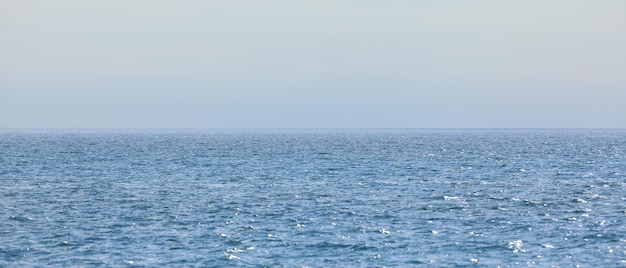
312,64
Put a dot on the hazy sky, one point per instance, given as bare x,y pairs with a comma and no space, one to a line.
222,64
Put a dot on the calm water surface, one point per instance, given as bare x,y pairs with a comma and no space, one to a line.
313,198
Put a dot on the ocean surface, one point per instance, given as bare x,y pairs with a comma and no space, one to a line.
316,198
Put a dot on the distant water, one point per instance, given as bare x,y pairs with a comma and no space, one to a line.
313,198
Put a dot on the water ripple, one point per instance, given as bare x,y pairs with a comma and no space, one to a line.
313,198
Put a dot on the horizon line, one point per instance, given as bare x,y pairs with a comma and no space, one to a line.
196,129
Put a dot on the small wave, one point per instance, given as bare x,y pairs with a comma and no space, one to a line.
21,218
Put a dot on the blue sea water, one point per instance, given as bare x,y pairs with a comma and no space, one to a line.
317,198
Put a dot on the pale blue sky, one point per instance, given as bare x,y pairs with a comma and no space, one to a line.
293,64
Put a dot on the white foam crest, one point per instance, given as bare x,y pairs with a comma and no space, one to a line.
516,246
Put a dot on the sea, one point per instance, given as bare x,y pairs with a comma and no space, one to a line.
313,198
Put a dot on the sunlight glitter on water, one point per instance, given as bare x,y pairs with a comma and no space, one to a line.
365,198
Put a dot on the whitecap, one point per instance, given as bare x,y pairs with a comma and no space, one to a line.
516,246
230,256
